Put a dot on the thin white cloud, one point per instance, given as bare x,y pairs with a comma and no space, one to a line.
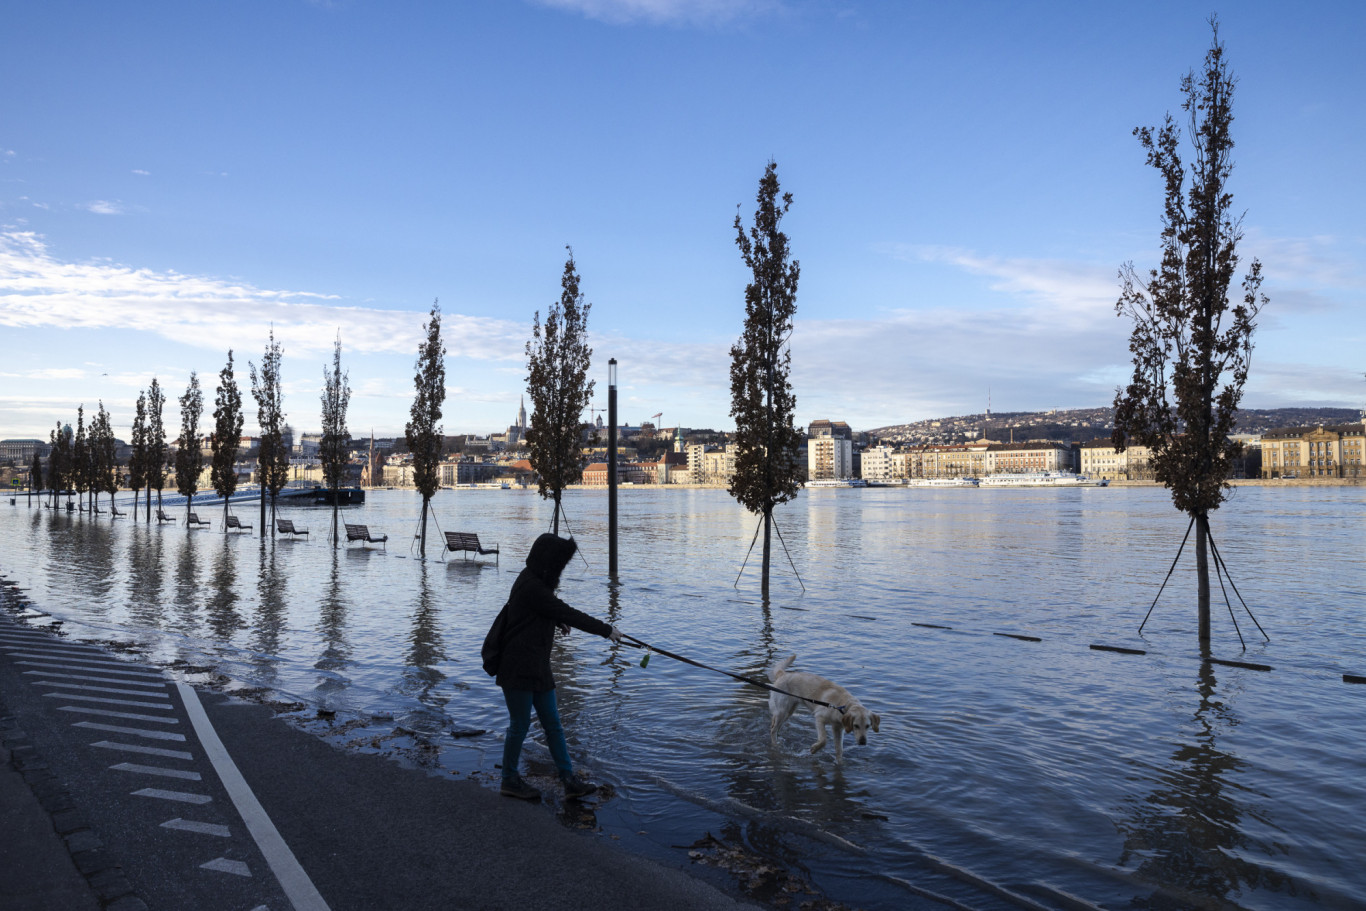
104,207
141,173
665,12
1070,288
37,290
48,373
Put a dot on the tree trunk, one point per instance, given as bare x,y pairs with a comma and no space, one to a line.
422,542
1202,577
556,520
225,515
768,535
261,481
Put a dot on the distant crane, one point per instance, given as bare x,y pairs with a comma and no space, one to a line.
654,419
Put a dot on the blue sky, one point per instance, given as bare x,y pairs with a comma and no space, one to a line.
175,178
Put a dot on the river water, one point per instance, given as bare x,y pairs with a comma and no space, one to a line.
1007,773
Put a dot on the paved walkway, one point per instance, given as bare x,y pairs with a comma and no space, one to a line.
125,790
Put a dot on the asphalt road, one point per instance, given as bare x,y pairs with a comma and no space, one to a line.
204,802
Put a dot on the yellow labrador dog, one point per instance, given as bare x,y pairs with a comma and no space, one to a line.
854,719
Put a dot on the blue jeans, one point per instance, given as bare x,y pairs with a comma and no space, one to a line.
520,703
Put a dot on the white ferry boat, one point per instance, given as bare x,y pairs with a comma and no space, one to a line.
942,482
837,482
1043,479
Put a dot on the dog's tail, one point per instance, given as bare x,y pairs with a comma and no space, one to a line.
781,667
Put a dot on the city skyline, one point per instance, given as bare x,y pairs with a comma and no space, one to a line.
174,181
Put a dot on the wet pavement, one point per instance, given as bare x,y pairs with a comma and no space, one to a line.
122,788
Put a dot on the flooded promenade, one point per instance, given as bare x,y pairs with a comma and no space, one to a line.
1015,765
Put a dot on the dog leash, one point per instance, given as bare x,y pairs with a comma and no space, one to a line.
637,643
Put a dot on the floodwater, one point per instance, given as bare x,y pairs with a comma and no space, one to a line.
1008,773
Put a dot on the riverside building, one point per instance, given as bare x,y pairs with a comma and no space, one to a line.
829,451
1314,452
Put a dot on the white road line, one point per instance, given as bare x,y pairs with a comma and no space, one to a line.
160,683
100,689
91,670
12,641
302,894
12,647
137,732
77,697
107,714
182,774
90,664
201,828
223,865
146,751
179,796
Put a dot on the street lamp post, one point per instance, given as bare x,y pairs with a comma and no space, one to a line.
612,468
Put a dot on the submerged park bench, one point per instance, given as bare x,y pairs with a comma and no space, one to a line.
193,520
286,527
362,533
235,523
469,543
162,517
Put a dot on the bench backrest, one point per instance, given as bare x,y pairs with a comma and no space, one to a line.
285,525
356,531
233,523
461,540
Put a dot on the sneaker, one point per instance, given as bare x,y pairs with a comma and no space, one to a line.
574,788
516,787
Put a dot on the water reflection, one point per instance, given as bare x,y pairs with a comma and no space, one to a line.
269,623
421,678
1188,836
187,585
224,618
332,629
145,572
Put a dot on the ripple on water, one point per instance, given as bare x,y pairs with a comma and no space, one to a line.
1006,772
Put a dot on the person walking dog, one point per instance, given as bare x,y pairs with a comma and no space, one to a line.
533,613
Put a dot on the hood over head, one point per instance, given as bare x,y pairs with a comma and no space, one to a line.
549,555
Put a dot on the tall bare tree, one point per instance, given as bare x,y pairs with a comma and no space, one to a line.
103,465
156,444
80,458
334,448
558,358
227,436
273,457
423,431
1191,343
59,462
137,462
189,454
762,402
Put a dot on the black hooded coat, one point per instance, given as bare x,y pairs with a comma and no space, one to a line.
533,614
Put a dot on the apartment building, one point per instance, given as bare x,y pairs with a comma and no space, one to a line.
1314,452
829,451
1100,459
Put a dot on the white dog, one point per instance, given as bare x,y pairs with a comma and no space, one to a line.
843,714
